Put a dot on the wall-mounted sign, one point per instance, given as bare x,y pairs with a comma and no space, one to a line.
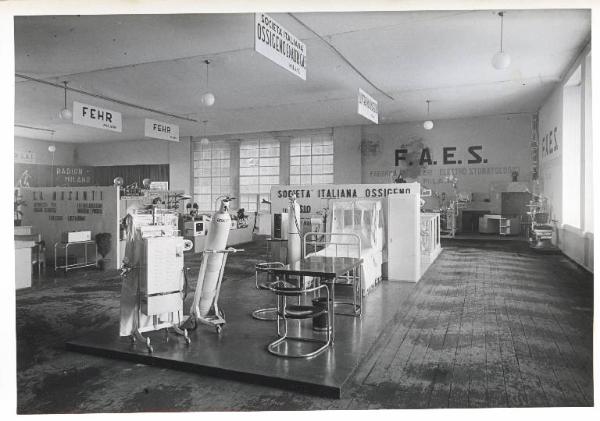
93,116
73,176
160,130
549,146
278,45
24,157
367,106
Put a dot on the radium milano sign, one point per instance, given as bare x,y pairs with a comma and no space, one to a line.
314,198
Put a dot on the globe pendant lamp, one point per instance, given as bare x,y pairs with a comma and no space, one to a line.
428,124
501,59
65,113
208,99
204,141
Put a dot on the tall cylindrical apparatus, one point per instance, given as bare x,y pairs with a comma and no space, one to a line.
294,249
218,232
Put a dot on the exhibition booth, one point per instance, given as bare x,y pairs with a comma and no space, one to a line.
313,312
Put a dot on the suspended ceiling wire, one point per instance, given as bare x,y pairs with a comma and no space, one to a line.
22,126
341,56
105,98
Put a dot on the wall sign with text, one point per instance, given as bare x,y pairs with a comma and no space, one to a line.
278,45
160,130
549,146
367,106
93,116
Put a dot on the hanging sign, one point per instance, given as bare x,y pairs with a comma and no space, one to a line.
278,45
367,106
93,116
159,130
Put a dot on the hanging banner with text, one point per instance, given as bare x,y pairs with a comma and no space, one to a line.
367,106
159,130
93,116
278,45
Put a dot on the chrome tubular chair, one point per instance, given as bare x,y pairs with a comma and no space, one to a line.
269,313
283,290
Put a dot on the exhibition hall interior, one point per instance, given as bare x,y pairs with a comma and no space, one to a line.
269,211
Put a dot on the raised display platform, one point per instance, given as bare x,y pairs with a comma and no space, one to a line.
240,353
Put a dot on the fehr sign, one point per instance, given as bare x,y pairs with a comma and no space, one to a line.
93,116
278,45
160,130
367,106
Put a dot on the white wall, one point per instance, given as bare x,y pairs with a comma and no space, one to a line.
347,162
502,144
64,154
574,242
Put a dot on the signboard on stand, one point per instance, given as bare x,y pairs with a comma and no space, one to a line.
278,45
160,130
93,116
313,199
367,106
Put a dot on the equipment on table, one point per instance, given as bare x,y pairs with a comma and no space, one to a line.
205,308
153,278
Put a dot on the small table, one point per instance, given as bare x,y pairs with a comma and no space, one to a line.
327,269
86,262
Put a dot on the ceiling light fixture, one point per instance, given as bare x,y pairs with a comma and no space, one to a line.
501,60
428,124
204,141
208,99
65,113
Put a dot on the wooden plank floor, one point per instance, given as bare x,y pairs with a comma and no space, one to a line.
491,324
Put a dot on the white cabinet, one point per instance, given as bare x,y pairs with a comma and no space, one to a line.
404,238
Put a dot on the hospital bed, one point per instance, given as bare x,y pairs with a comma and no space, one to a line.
356,231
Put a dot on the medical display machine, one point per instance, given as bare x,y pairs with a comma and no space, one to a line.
153,278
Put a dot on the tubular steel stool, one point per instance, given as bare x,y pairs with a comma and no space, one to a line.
270,313
283,290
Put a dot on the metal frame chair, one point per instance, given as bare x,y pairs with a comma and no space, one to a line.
282,290
269,313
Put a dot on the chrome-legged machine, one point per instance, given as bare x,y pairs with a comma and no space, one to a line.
157,324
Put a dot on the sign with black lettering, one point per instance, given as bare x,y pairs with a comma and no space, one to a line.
549,146
314,198
278,45
159,130
93,116
448,157
73,176
367,106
